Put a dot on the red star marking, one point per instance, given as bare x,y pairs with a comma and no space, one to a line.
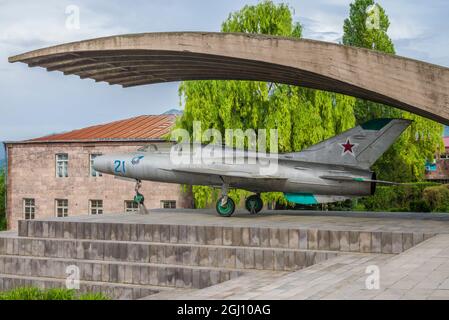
347,147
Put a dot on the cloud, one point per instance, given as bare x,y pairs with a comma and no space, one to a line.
34,102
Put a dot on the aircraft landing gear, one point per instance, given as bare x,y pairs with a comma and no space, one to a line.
254,204
139,198
225,205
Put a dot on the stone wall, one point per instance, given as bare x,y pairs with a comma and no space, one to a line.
32,174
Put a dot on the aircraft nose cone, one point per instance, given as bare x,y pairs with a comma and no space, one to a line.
102,164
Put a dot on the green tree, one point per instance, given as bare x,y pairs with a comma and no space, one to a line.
2,200
302,116
367,27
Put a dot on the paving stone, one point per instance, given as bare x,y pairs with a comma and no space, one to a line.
183,236
293,238
23,228
259,259
148,232
210,235
192,236
312,238
354,241
387,242
268,260
279,260
227,236
407,241
174,233
237,237
365,242
303,239
240,258
249,259
417,238
246,241
164,233
264,237
344,241
283,238
229,257
156,233
144,275
203,256
397,245
218,236
133,232
275,238
51,229
187,277
376,242
323,240
334,240
254,237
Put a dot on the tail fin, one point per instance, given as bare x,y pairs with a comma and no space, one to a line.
358,147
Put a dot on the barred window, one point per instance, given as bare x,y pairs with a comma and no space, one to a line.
96,206
131,206
29,209
62,164
62,208
168,204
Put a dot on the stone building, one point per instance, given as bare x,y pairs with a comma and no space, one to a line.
53,175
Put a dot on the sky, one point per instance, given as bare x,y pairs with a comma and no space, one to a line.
34,102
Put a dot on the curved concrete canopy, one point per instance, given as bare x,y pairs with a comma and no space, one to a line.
140,59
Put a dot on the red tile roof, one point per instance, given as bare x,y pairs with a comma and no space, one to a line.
137,128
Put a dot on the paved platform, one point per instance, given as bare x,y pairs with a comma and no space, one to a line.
330,220
419,273
195,254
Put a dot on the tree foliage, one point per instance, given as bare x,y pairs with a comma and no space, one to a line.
404,161
302,116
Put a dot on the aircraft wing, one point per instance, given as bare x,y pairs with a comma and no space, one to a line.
355,179
225,173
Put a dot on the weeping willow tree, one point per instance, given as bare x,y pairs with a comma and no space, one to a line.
302,116
367,27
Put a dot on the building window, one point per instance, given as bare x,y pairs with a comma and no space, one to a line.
168,204
93,172
131,206
96,206
29,209
62,208
62,163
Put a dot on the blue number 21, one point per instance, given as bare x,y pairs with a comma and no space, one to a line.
119,166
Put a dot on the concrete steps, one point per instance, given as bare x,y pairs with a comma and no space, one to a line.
306,239
126,260
118,272
259,258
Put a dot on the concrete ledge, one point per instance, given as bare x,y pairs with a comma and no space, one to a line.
310,239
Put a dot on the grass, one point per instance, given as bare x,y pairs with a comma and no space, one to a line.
49,294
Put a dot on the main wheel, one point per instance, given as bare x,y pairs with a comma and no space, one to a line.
254,204
228,209
139,198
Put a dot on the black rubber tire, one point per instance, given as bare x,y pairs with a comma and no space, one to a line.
249,202
226,211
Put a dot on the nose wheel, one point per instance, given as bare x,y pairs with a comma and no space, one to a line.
225,205
139,198
254,204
